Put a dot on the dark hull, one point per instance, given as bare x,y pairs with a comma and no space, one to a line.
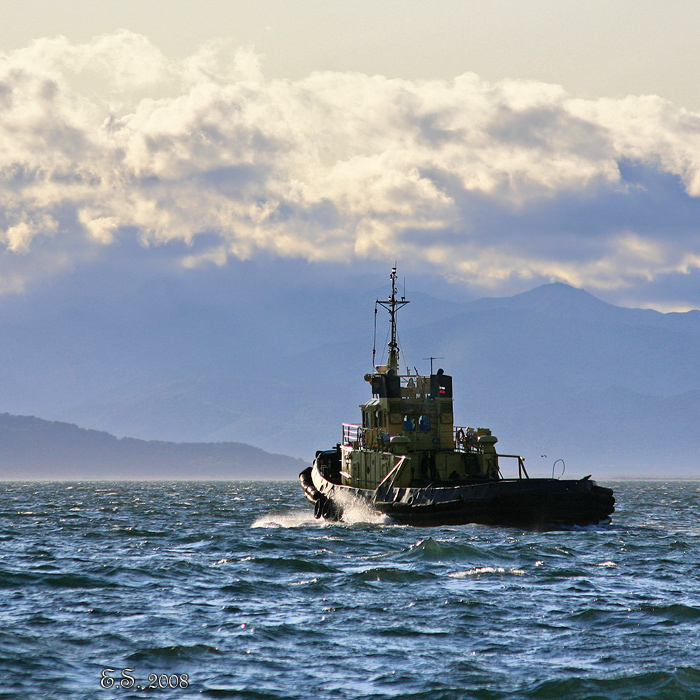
541,504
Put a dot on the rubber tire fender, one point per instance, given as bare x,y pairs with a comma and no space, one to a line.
320,506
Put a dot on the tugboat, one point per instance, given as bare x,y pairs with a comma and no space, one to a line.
408,460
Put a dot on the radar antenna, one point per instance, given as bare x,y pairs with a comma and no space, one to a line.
431,361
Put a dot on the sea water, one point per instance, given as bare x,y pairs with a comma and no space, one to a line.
233,590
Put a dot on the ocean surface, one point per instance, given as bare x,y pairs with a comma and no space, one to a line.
233,590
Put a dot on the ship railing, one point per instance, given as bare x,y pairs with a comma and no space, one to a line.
351,433
466,439
372,438
354,435
521,465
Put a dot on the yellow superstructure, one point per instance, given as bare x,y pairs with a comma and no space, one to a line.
407,429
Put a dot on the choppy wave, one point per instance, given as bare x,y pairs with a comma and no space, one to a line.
239,587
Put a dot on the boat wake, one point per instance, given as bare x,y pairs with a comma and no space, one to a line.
358,511
292,518
355,513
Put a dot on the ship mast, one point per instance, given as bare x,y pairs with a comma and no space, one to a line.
392,305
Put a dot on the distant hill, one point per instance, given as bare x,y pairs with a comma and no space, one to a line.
31,448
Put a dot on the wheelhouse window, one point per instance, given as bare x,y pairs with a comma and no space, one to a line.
373,419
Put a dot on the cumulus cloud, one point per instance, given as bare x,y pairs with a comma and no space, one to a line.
486,183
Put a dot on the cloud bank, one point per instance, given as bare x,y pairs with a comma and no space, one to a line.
494,185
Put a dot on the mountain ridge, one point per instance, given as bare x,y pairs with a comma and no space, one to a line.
32,448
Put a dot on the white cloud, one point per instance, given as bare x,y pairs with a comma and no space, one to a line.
484,182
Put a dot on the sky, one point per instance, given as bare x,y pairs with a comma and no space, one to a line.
494,145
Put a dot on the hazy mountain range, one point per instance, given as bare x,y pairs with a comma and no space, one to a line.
553,371
31,448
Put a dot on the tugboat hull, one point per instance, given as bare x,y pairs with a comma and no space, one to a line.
541,504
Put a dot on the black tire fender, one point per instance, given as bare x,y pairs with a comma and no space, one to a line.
320,506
